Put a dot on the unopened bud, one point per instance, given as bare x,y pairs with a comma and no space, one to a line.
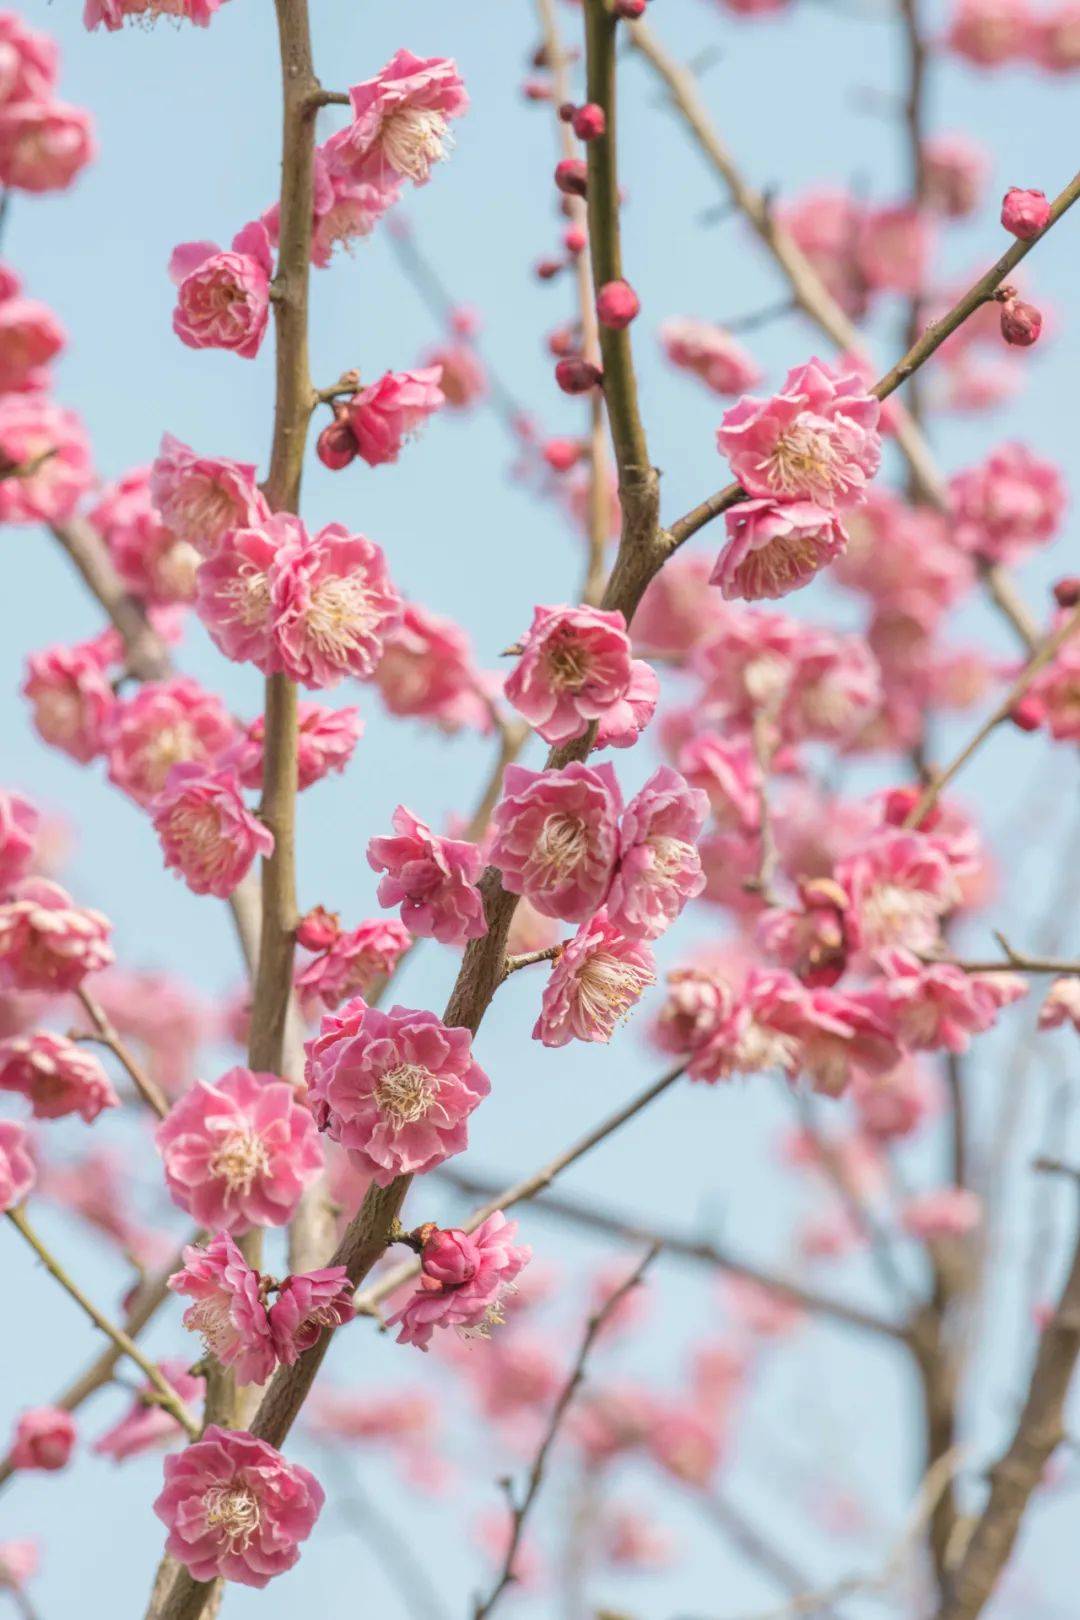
562,342
571,177
1027,713
1025,213
577,375
548,269
589,121
1021,323
617,304
336,444
318,930
630,9
561,454
1067,591
574,239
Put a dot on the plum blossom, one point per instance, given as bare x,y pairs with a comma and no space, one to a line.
1056,46
944,1212
395,1089
1053,698
30,336
824,224
29,61
56,1075
343,208
384,416
165,723
895,1104
239,1152
844,1037
47,942
352,962
151,561
427,670
955,171
463,1280
208,835
326,740
676,612
228,1308
555,837
112,13
146,1424
699,1002
331,603
594,982
1061,1005
725,769
775,547
235,1508
17,1169
308,1302
659,869
19,822
938,1005
990,33
812,939
432,879
575,665
51,444
1007,507
763,1033
893,248
200,498
44,144
711,354
622,724
44,1438
463,379
899,885
223,296
684,1441
400,124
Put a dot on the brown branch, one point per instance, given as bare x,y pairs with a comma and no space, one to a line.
147,657
105,1033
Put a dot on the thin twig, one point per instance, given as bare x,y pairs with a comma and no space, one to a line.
106,1033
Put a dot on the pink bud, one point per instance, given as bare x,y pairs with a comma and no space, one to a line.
318,930
449,1259
536,90
1027,713
567,111
574,239
1025,213
589,121
561,342
577,375
561,454
901,801
1067,591
548,269
1020,323
628,8
571,177
616,304
336,446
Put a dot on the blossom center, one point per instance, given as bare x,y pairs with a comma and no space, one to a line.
406,1093
241,1157
670,856
561,847
804,459
413,138
232,1510
339,615
762,1048
779,566
567,664
608,987
197,829
169,746
249,595
891,914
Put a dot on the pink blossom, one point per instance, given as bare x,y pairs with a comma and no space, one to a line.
633,1540
938,1005
307,1303
44,1438
817,440
30,336
385,415
811,940
17,1169
165,723
432,879
846,1036
113,12
659,869
331,605
151,561
1054,695
44,144
676,612
575,665
235,1508
426,669
1008,506
353,962
990,32
223,298
208,835
946,1212
36,434
327,738
775,547
47,942
239,1152
762,1311
232,590
18,1563
712,354
684,1441
395,1089
464,1290
162,1016
725,769
201,498
555,837
895,1104
699,1002
622,724
899,885
824,223
955,170
18,837
463,379
56,1075
593,983
29,61
902,556
894,247
343,208
400,121
1056,45
1025,213
765,1032
146,1423
228,1309
1061,1005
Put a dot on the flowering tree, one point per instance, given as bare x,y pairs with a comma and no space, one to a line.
794,795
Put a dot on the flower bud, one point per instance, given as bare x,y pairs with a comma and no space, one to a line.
1067,591
1021,323
318,930
567,111
336,445
900,802
562,342
616,304
577,375
1025,213
574,239
449,1259
630,9
536,90
1027,713
548,269
589,121
561,454
571,177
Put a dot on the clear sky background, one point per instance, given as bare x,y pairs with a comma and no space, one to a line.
188,124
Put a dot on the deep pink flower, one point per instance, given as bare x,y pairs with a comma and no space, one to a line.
400,121
239,1152
30,336
232,590
146,1424
151,560
1053,698
307,1303
899,885
18,837
228,1309
235,1508
47,942
621,725
44,144
1008,506
326,741
846,1036
593,983
938,1005
427,669
113,12
208,835
201,498
37,434
165,723
1061,1005
699,1002
56,1075
353,961
991,32
711,354
659,869
385,415
223,297
17,1169
1025,213
462,1282
775,547
812,939
395,1089
575,665
765,1031
817,440
555,837
29,61
945,1212
955,170
332,605
432,879
44,1438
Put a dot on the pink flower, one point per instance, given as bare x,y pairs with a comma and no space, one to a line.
234,1507
395,1089
765,1032
1056,46
147,1424
462,1282
817,440
165,723
151,561
232,590
113,12
946,1212
353,961
1061,1005
725,769
894,247
326,741
426,669
382,417
812,940
70,698
44,1438
899,885
229,1308
47,942
331,603
844,1037
30,336
37,434
593,983
1054,695
307,1303
44,144
400,121
684,1442
1008,506
824,223
676,612
239,1152
17,1170
621,725
711,354
575,665
659,868
28,61
555,837
18,1563
775,547
18,837
57,1076
343,208
208,835
201,498
990,32
433,880
699,1002
223,298
1025,213
955,169
895,1104
463,380
939,1005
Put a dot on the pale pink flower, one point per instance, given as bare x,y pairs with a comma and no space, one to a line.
699,1002
462,1281
327,738
817,440
894,247
759,1310
18,837
18,1563
56,1075
228,1309
1008,506
44,144
30,336
731,862
775,547
811,940
29,61
240,1151
945,1212
146,1424
1061,1005
903,555
1056,45
973,383
684,1441
899,885
232,590
38,435
824,224
17,1169
676,611
594,982
308,1302
353,961
223,297
70,699
463,379
47,942
955,170
725,769
201,498
395,1089
575,665
165,723
659,869
622,724
400,124
151,561
113,12
633,1540
712,354
765,1031
343,208
44,1438
1054,695
843,1036
162,1016
555,837
432,879
895,1104
427,669
399,1417
208,835
235,1508
332,605
990,33
384,416
938,1005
